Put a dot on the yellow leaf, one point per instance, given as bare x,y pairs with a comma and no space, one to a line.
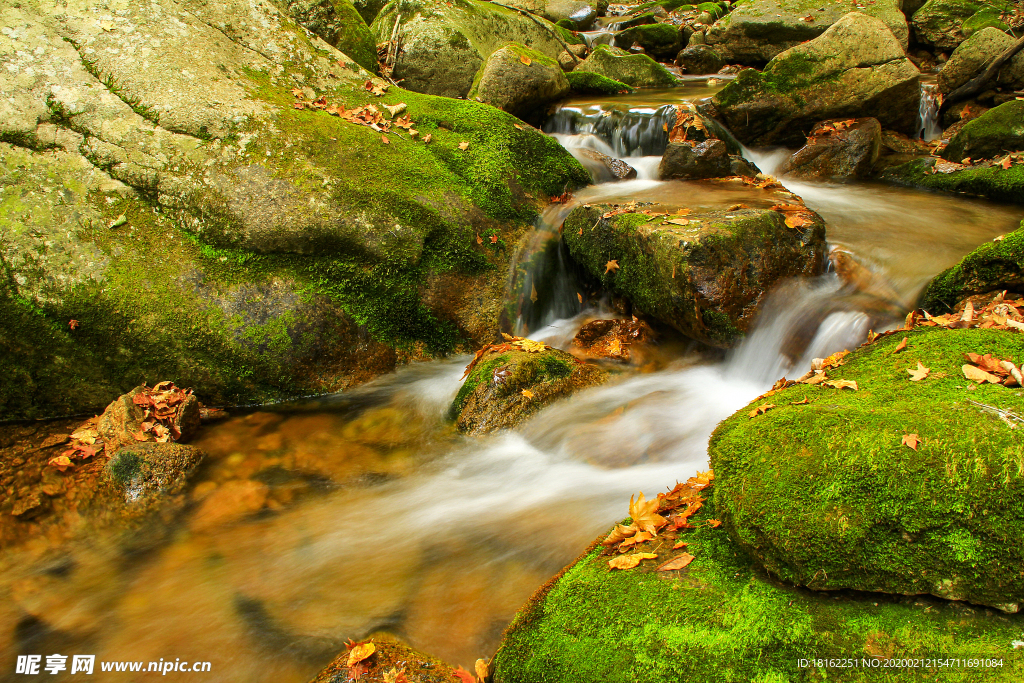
525,60
481,669
533,293
611,266
678,221
919,373
360,652
464,145
529,345
527,393
619,533
902,345
817,378
760,410
644,514
61,462
629,561
840,384
980,376
677,562
835,360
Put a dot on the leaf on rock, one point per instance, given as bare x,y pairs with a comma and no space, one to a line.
525,60
679,544
427,138
796,221
481,669
464,676
835,360
464,145
761,410
395,675
527,393
714,523
901,346
611,266
816,378
1006,163
918,373
678,221
640,537
800,403
911,441
384,139
840,384
677,562
620,533
529,345
644,514
630,561
360,652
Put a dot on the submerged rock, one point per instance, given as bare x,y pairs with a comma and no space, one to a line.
723,613
390,655
828,495
519,80
149,472
703,273
636,70
854,69
837,149
997,131
509,383
755,32
994,266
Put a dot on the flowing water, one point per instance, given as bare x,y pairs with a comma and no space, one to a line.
319,521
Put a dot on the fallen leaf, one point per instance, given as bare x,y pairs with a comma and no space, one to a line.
901,346
835,360
384,139
61,462
360,652
760,410
816,378
796,221
678,221
479,240
968,314
580,297
644,514
714,523
799,403
527,393
911,441
919,373
529,345
680,544
533,293
494,239
517,126
611,266
464,145
840,384
630,561
73,324
525,60
464,675
677,562
1006,163
639,537
395,675
980,376
481,669
427,138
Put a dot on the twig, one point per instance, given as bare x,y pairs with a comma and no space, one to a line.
561,42
1004,415
974,86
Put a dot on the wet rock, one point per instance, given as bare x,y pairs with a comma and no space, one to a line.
995,265
636,70
612,339
704,273
520,81
700,59
687,161
122,420
391,654
739,166
508,385
146,473
997,131
940,23
985,180
602,167
643,19
971,57
589,622
661,41
231,502
444,46
755,32
29,504
839,149
854,69
882,526
340,24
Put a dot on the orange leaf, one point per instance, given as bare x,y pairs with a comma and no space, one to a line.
527,393
714,523
611,266
464,675
630,561
679,544
919,373
73,324
840,384
525,60
761,410
980,376
61,462
384,139
677,562
1006,163
901,347
360,652
911,441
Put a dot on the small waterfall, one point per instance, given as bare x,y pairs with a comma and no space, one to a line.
598,37
928,114
641,131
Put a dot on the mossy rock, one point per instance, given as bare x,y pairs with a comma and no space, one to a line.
340,24
855,69
663,41
940,23
590,83
994,266
639,71
984,18
390,654
723,619
755,32
827,496
705,278
492,396
146,472
991,181
369,9
997,131
520,81
971,57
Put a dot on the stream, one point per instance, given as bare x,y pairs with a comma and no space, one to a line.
323,520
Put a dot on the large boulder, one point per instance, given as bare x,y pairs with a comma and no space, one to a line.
340,24
837,150
755,32
704,274
984,180
602,167
700,59
940,23
590,83
854,69
997,131
842,491
662,41
722,618
444,44
192,212
520,81
694,161
971,57
508,383
639,71
994,266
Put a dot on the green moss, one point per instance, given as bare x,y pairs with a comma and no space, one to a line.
826,495
722,619
982,19
656,39
992,266
999,130
992,181
481,373
590,83
125,466
636,70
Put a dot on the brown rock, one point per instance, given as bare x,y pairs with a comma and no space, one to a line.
682,160
604,167
612,339
837,149
148,472
122,419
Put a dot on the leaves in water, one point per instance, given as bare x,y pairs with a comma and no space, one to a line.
61,462
677,562
918,373
911,441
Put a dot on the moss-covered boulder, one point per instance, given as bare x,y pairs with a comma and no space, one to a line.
993,266
661,41
639,71
700,59
579,13
195,225
340,24
723,619
854,69
147,472
940,23
997,131
828,494
510,382
519,80
391,655
444,44
369,9
758,30
986,180
971,57
590,83
704,274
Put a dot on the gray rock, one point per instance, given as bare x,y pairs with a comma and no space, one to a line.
971,57
602,167
508,83
855,69
581,12
700,59
837,150
340,24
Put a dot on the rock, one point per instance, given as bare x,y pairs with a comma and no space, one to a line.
700,59
704,274
988,180
685,161
148,472
339,24
369,9
854,69
739,166
867,512
635,20
639,71
443,47
390,654
997,131
222,236
566,62
508,386
837,149
971,57
755,32
661,41
233,501
612,339
520,81
939,23
579,12
987,17
590,83
722,613
123,419
994,266
602,167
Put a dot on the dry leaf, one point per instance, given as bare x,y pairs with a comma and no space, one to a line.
644,514
527,393
980,376
760,410
677,562
464,145
525,60
611,266
840,384
360,652
678,221
61,462
911,441
901,346
714,523
427,138
384,139
580,297
1006,162
481,669
630,561
395,675
968,314
816,378
517,126
680,544
800,403
464,676
796,221
919,373
835,360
